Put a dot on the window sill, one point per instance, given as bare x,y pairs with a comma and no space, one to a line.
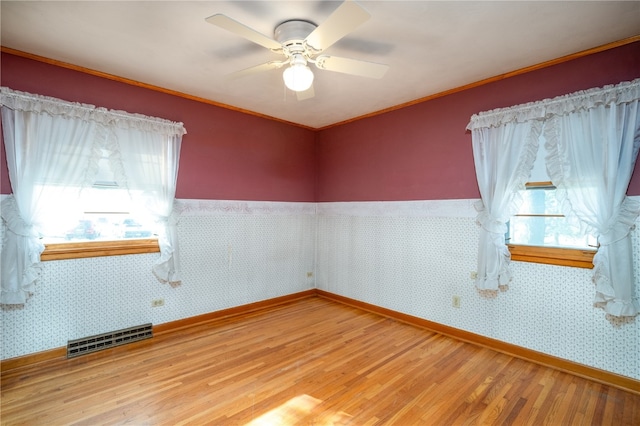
61,251
553,255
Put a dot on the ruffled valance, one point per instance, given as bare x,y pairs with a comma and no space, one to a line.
585,99
22,101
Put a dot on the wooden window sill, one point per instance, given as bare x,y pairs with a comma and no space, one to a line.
553,255
61,251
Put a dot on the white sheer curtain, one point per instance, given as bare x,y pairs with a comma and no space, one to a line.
504,150
53,142
593,139
150,163
45,142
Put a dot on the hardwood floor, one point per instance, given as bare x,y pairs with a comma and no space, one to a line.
311,361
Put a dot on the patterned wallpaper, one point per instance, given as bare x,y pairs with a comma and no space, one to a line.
411,256
390,255
232,253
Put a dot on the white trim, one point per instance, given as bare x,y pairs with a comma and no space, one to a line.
185,207
425,208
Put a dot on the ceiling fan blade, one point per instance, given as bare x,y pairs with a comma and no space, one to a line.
272,65
351,66
307,94
341,22
242,30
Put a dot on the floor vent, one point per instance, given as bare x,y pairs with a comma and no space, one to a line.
99,342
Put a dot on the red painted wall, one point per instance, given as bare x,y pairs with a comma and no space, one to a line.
225,155
423,152
420,152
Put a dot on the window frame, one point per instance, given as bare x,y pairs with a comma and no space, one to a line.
85,249
552,255
561,256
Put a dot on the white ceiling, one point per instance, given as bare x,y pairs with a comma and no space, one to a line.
430,46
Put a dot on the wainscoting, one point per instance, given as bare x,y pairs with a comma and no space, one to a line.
410,257
413,257
232,253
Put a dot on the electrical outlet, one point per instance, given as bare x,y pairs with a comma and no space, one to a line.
473,275
309,274
455,301
157,302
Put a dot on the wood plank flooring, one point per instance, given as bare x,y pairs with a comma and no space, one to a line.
308,362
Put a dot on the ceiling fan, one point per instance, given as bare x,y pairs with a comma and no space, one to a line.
302,42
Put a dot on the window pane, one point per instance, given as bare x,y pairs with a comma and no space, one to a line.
540,223
539,201
97,213
548,231
104,211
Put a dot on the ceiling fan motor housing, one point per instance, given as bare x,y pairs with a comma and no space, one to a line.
291,35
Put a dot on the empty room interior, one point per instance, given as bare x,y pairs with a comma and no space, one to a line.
320,212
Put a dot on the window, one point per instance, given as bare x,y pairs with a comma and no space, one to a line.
55,154
591,138
100,220
540,233
96,213
102,211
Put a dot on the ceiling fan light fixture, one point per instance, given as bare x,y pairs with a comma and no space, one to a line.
301,41
298,77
